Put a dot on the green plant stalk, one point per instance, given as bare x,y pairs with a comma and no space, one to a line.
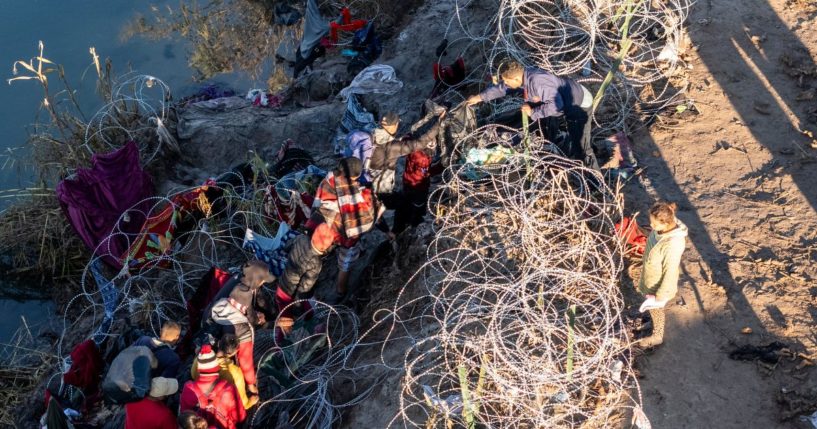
480,383
571,322
624,46
467,409
526,141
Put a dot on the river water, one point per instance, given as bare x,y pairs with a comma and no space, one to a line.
68,29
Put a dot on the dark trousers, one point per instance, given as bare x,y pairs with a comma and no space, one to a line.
410,210
578,146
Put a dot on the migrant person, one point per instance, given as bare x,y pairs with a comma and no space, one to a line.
151,412
351,211
191,420
548,98
215,400
162,348
360,144
226,349
129,376
661,266
383,163
413,201
236,314
302,270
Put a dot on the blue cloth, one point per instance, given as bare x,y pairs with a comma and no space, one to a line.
168,361
271,250
110,297
356,117
549,93
359,145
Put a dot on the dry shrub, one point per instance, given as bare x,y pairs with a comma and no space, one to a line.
225,35
36,240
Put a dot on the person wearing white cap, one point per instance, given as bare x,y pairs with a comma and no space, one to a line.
151,412
214,399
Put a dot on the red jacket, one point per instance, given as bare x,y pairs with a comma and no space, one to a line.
149,414
222,408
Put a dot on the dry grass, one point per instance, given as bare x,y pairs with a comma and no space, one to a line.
24,362
36,240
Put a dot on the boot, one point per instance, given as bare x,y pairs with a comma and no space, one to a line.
658,318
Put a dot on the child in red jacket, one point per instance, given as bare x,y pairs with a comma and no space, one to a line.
214,399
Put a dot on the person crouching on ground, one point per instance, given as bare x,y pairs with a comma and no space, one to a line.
226,349
236,314
302,270
151,412
162,348
548,98
661,267
215,400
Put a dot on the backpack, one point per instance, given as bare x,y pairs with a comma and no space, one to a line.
209,412
417,165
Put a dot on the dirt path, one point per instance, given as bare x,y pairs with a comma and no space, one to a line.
750,207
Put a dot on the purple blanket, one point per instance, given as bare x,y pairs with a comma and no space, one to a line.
96,197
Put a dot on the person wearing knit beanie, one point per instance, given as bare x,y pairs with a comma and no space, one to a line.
206,361
214,399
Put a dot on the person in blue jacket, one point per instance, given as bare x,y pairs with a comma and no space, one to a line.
548,98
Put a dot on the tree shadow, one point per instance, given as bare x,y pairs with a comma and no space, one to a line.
764,69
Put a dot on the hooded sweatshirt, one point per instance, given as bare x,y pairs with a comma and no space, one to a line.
662,263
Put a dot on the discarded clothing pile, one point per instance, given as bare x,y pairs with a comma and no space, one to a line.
290,199
261,98
376,79
271,250
621,161
111,194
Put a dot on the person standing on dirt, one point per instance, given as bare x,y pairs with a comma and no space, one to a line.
412,202
304,263
383,163
360,144
661,267
549,98
162,348
351,210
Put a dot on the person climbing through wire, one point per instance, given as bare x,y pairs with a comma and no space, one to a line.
351,211
549,99
214,399
380,150
304,263
162,348
235,310
660,267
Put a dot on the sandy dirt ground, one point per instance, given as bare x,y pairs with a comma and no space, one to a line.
744,177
